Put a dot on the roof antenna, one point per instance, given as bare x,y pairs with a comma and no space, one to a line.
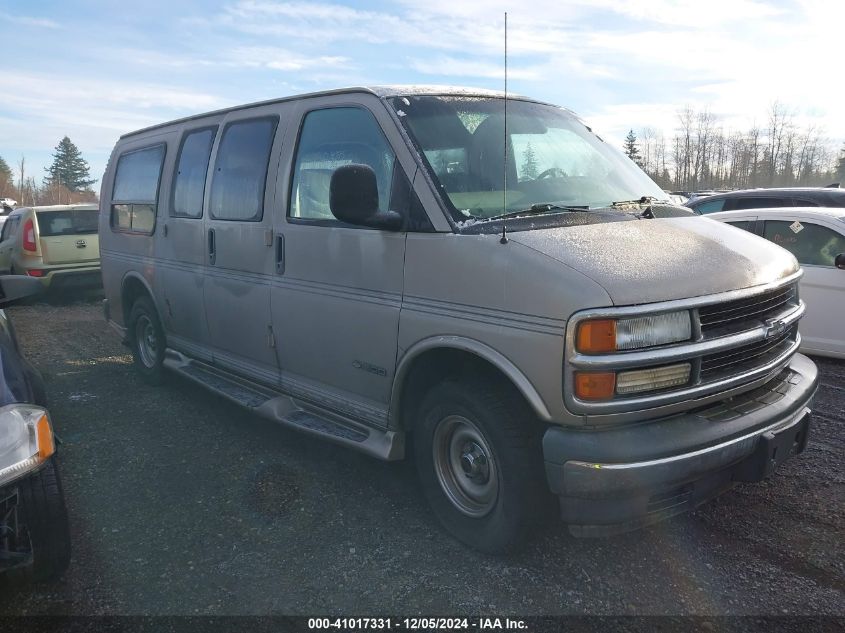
505,164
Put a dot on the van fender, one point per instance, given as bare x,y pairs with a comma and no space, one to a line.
477,348
134,276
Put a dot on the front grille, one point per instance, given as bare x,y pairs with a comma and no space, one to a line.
747,357
735,342
745,314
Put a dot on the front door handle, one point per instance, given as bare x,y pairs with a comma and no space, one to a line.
280,254
212,247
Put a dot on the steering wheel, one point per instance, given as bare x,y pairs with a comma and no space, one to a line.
551,172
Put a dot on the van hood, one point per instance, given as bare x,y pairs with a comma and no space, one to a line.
645,261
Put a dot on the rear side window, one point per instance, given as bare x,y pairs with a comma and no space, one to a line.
135,194
240,170
757,203
812,244
711,206
191,170
745,225
9,227
70,222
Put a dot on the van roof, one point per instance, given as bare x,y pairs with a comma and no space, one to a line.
383,92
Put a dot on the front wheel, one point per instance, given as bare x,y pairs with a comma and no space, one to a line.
44,521
477,448
147,339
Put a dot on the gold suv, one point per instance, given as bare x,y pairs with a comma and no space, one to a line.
57,244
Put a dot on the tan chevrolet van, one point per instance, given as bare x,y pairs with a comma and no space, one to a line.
482,285
58,244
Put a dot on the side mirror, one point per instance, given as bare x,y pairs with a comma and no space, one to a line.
353,198
16,287
839,261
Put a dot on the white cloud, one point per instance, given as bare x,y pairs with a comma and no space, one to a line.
25,20
42,109
456,67
281,59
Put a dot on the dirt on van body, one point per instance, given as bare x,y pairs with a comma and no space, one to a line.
182,503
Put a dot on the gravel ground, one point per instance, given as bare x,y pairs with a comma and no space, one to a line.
181,503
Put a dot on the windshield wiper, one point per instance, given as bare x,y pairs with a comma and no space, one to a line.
537,209
643,200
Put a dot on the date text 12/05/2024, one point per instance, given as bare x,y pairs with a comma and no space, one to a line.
419,623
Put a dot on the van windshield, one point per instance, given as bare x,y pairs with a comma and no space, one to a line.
69,222
552,158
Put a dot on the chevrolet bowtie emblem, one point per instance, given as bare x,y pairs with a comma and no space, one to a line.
775,327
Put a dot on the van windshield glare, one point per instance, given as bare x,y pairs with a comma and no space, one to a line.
551,157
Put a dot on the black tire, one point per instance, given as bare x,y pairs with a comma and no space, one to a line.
509,431
43,518
148,362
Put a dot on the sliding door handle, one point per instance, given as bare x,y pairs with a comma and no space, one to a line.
212,247
280,254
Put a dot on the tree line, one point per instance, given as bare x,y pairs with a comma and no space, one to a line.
704,154
67,179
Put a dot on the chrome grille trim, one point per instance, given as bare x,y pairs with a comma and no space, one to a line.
744,309
711,363
732,316
706,352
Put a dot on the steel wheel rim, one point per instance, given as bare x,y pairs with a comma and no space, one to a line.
145,335
465,466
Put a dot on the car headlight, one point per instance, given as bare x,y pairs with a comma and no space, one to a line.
26,440
597,336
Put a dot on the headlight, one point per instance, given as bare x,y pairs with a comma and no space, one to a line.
610,335
26,440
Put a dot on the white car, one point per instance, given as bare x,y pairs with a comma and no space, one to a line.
816,236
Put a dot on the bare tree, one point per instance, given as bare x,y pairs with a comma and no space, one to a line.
705,155
780,122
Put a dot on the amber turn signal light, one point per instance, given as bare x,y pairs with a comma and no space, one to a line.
46,445
597,336
594,385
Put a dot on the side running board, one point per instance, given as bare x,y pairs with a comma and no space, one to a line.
273,405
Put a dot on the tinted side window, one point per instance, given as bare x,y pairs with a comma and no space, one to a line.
240,170
835,201
135,193
191,170
329,139
812,244
710,206
9,228
757,203
804,202
745,225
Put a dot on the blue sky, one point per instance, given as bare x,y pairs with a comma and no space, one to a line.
93,70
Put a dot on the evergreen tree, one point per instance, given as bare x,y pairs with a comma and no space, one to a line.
840,169
69,169
630,147
529,163
5,175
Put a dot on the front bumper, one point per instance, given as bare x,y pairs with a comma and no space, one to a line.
620,479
